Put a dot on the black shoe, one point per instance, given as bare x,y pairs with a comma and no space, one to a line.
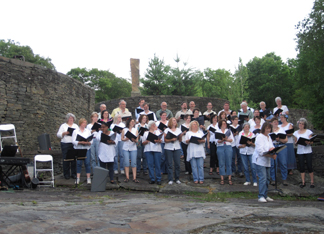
112,182
152,182
302,185
312,186
284,183
145,173
74,176
67,177
158,183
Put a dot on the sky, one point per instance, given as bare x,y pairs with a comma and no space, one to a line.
106,34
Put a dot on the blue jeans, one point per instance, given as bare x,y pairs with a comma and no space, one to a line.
281,161
197,166
86,163
264,180
132,155
173,155
119,153
154,161
240,166
224,154
164,160
140,156
247,159
94,153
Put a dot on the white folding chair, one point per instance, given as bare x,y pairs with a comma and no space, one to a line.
43,158
7,128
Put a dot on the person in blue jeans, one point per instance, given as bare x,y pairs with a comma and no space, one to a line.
141,159
95,142
119,147
152,151
130,149
262,162
195,152
246,151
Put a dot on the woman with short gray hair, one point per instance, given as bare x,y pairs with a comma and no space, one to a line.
284,108
65,133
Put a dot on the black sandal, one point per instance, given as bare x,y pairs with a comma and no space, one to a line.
312,186
222,182
230,182
126,180
302,185
135,181
112,182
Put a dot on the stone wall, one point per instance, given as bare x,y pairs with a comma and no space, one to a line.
36,100
174,103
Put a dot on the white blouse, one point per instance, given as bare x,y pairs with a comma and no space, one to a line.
152,147
262,144
283,108
290,138
86,133
173,145
234,142
63,128
195,150
89,126
247,150
149,112
129,145
106,153
300,148
212,138
225,142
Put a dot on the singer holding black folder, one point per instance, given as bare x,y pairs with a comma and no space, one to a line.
281,161
224,151
184,145
69,167
141,159
162,125
304,151
153,153
119,148
263,143
85,133
211,144
95,142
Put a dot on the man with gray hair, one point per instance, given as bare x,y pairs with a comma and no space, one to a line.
164,106
122,110
245,112
102,108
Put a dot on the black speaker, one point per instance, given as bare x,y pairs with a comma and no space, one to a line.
99,180
44,142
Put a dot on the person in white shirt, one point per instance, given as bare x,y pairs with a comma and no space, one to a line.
140,107
147,111
263,144
141,159
184,145
130,149
85,133
106,151
285,110
235,151
119,147
153,153
249,108
257,125
95,142
246,151
196,153
304,152
224,152
255,113
192,107
69,167
226,109
211,145
209,113
172,150
164,158
183,111
291,157
102,108
281,160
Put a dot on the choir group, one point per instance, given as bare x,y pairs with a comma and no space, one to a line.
259,139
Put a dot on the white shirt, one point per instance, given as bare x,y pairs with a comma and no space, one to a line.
247,150
262,144
280,130
290,138
184,136
194,150
252,123
129,145
212,138
181,112
152,147
106,153
149,112
89,126
172,145
283,108
225,142
86,133
234,142
223,110
63,128
118,135
300,148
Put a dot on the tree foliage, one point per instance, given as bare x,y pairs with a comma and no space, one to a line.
11,48
106,85
310,62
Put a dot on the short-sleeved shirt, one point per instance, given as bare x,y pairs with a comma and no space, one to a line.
301,149
195,150
172,145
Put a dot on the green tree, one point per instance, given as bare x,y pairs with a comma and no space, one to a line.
269,77
310,63
11,48
157,78
106,85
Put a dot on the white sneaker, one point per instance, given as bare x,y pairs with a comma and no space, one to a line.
269,199
247,183
255,184
78,180
122,172
88,180
116,172
262,199
178,182
170,182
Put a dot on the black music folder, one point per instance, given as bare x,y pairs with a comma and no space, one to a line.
195,139
108,123
275,150
142,131
151,137
96,127
105,138
117,129
278,112
219,135
289,131
139,110
70,130
274,136
78,154
302,140
170,135
150,116
125,118
242,117
212,129
183,128
130,136
80,138
244,140
162,126
235,130
257,131
182,116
